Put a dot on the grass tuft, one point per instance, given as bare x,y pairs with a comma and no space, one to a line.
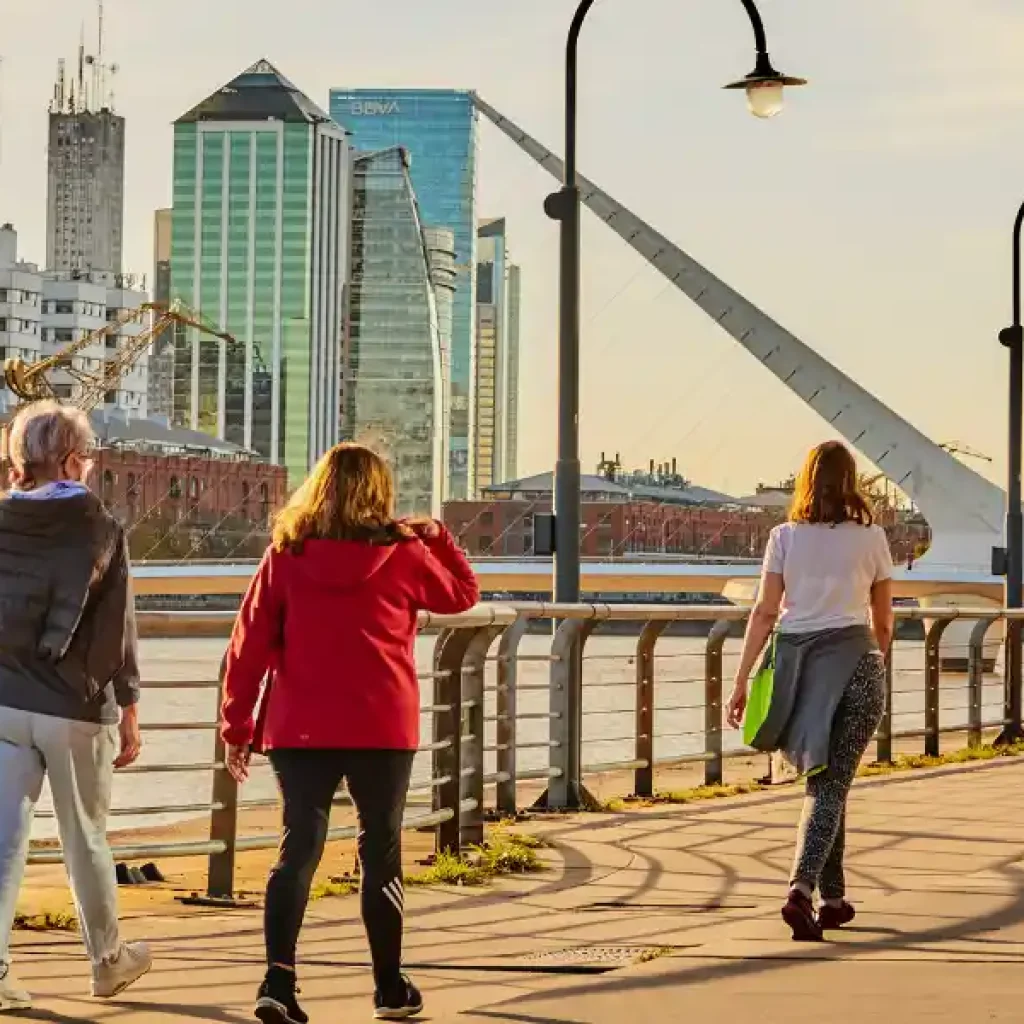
902,763
448,869
968,755
505,853
335,887
47,921
650,955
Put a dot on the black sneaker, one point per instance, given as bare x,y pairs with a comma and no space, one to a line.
401,1005
798,913
276,1002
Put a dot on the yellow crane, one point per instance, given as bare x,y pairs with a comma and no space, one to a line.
956,448
953,447
31,382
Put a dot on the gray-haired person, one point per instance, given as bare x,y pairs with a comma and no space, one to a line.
68,681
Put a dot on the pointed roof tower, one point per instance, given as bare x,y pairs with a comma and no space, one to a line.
259,93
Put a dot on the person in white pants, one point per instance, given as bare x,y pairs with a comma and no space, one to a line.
68,682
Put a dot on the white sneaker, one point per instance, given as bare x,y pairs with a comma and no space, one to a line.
124,968
11,996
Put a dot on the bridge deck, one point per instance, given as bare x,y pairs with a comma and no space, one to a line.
935,864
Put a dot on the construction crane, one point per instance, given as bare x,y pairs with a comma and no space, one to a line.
31,382
956,448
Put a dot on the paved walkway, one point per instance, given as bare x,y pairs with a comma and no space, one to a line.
936,865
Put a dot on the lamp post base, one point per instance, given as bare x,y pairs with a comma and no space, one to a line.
1009,737
580,799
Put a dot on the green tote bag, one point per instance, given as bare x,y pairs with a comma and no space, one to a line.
759,699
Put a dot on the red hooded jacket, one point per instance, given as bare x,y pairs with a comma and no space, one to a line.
335,627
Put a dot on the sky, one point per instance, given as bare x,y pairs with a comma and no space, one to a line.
872,218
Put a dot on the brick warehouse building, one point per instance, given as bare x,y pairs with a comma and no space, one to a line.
648,514
504,528
143,485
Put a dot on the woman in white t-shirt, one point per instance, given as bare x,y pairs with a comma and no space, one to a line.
827,585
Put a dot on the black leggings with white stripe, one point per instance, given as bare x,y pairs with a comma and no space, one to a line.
377,781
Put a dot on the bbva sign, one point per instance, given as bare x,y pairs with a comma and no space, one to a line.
375,108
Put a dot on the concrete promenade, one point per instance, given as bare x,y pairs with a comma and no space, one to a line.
936,866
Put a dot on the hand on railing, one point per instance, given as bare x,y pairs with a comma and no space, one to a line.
130,737
236,760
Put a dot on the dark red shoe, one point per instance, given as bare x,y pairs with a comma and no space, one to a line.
798,913
831,919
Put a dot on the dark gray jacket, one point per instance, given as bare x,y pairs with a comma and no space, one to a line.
68,642
812,671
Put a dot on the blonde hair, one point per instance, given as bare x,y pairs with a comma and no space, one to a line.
827,489
350,495
42,436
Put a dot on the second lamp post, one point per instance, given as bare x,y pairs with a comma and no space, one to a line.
764,87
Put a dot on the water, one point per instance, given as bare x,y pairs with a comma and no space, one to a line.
608,730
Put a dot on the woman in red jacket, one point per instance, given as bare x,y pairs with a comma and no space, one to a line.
330,621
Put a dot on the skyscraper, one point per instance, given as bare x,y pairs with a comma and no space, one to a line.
496,378
161,358
514,292
260,244
394,384
438,128
85,187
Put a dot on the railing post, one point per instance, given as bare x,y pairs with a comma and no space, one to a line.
565,789
713,766
1013,687
883,738
932,674
976,681
506,801
220,876
447,760
474,665
643,784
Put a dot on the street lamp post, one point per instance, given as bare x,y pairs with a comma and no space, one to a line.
1012,337
764,88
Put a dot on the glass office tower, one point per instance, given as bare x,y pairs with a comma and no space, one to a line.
393,380
260,244
438,128
496,379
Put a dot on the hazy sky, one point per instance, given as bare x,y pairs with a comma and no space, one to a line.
872,218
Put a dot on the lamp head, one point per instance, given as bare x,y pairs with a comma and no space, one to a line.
764,87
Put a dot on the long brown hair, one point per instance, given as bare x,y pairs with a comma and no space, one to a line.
350,495
827,489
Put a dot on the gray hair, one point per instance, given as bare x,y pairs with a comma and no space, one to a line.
44,434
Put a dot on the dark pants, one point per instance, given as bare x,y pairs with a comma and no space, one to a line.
821,844
377,782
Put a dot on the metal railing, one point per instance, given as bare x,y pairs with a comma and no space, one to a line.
482,728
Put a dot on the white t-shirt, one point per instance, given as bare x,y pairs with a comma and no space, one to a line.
828,572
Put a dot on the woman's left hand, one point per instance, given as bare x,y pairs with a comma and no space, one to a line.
236,760
424,528
737,705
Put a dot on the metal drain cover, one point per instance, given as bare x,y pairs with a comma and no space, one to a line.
604,956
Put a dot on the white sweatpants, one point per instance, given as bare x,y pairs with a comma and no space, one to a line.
78,759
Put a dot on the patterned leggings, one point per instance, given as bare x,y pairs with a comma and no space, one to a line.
821,840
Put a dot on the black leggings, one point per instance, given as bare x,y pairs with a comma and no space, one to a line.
821,844
377,782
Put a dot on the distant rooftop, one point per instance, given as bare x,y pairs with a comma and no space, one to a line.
768,498
259,93
599,488
121,432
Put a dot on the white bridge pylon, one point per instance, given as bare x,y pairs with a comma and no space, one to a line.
964,509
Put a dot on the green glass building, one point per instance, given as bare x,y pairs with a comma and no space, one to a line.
260,246
402,291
